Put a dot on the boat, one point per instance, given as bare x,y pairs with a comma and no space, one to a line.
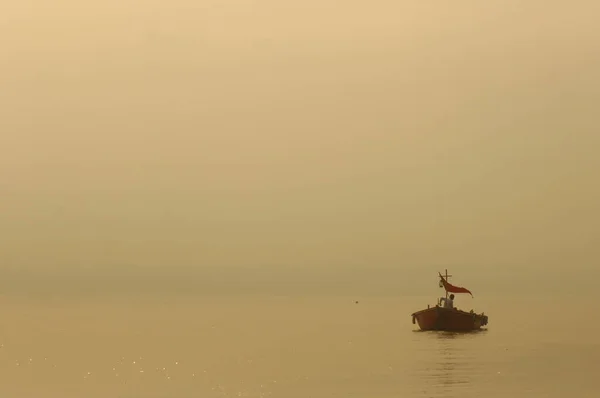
446,317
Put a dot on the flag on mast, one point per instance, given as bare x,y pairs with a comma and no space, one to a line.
454,289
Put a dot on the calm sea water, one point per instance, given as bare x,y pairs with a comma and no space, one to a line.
293,347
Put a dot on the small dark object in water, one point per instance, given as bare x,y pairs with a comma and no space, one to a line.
356,302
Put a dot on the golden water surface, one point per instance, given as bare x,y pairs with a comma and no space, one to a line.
292,347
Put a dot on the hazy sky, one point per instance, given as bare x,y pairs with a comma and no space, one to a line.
321,134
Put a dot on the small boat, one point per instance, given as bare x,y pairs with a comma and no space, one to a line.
445,316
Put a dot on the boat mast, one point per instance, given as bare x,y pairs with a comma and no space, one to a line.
447,276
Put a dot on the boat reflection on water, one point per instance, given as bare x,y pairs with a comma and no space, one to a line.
450,363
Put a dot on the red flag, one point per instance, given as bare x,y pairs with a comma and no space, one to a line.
454,289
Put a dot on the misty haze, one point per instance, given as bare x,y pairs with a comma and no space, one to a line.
213,198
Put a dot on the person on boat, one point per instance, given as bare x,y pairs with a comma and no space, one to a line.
448,302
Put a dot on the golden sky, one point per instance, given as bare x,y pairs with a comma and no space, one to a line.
300,134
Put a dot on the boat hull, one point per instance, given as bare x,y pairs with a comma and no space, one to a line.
439,318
